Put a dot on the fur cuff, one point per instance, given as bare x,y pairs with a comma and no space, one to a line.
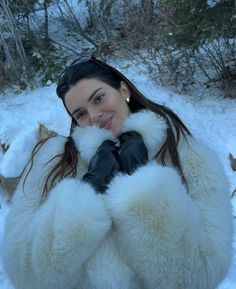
153,193
151,127
88,139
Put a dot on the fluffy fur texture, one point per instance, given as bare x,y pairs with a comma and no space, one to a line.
151,127
161,237
88,139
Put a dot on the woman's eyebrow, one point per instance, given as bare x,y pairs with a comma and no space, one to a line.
89,99
92,95
75,111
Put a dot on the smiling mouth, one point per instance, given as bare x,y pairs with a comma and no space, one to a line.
106,123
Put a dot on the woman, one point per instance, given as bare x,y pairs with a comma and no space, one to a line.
130,200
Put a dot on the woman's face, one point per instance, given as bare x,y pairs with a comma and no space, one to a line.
93,102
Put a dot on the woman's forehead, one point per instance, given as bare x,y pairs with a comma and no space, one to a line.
82,91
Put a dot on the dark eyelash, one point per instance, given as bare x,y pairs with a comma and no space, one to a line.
78,114
99,96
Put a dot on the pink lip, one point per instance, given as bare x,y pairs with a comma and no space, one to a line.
106,123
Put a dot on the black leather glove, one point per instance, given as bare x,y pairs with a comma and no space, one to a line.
103,166
133,152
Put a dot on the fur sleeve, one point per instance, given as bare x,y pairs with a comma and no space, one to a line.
209,190
167,234
45,245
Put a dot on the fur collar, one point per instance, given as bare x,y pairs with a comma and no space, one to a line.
88,139
151,127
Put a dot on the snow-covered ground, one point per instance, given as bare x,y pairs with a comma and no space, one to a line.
210,118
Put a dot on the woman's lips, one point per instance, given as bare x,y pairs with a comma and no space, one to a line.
106,123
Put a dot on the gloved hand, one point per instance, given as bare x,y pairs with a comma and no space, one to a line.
133,152
103,166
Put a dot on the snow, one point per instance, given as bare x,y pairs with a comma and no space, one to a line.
209,117
231,145
212,3
20,117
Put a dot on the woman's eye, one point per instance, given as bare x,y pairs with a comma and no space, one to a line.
98,98
81,115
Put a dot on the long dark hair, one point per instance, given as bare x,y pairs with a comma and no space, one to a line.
89,68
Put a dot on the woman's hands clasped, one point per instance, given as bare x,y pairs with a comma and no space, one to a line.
133,152
103,166
111,159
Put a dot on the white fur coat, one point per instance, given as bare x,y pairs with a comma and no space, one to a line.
146,232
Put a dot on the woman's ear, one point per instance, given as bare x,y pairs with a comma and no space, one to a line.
124,90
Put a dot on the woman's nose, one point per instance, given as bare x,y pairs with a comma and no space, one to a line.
95,116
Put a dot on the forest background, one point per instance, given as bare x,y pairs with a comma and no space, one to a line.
182,43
